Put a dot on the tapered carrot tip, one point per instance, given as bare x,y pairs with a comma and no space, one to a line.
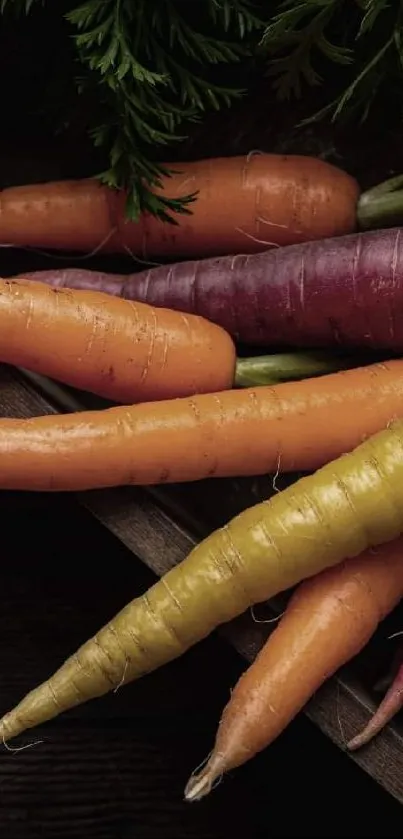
11,725
201,783
389,707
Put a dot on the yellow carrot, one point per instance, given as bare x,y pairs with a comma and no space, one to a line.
349,505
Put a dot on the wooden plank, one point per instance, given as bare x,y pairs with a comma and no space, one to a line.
160,526
115,767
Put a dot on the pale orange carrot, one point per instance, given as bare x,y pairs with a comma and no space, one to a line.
328,620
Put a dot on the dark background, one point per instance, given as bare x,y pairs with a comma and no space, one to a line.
116,768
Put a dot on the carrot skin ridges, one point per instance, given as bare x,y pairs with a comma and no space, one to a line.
341,292
293,426
120,350
329,619
346,291
350,505
278,199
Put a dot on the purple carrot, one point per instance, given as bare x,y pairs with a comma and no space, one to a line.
382,685
391,704
81,279
346,291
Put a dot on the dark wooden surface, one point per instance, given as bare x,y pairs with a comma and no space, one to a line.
146,522
115,768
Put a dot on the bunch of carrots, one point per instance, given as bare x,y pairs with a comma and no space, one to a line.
288,264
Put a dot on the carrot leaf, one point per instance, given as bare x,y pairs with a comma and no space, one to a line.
293,35
364,38
153,67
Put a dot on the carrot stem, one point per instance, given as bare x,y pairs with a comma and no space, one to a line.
283,367
382,204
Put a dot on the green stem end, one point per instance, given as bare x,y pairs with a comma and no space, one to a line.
381,206
284,367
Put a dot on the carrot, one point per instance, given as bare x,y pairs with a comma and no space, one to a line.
116,349
289,427
242,204
341,292
391,704
129,352
351,504
328,620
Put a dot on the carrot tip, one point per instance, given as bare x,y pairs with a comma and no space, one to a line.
199,785
358,741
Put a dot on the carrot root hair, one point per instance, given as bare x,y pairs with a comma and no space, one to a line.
391,704
14,749
205,778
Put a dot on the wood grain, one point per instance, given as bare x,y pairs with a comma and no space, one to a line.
116,767
110,768
161,525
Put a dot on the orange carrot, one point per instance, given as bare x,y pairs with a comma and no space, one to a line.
117,349
288,427
329,619
243,204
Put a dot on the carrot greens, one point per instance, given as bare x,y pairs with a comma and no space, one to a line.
364,39
154,67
